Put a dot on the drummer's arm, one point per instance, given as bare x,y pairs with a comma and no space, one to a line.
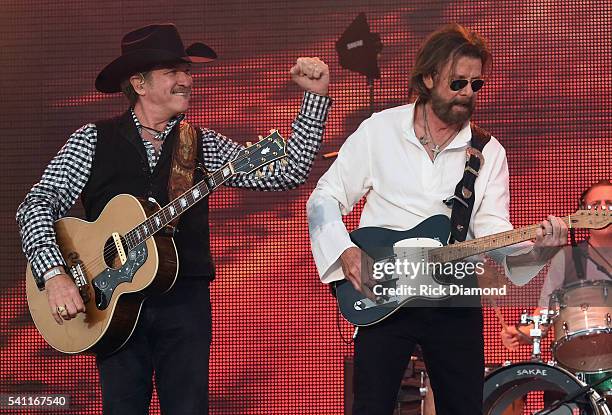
514,336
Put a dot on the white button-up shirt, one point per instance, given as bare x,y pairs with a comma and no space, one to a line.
385,161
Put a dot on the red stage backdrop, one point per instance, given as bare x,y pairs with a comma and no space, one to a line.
276,345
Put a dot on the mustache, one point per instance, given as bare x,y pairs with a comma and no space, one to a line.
181,90
469,103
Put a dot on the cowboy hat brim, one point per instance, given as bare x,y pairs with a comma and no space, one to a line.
109,79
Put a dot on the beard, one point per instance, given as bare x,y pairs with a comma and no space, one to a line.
455,111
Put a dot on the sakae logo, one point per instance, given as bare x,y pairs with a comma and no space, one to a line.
534,372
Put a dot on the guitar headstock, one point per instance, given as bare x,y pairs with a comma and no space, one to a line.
591,219
266,151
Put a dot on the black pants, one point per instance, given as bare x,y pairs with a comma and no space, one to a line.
172,339
453,350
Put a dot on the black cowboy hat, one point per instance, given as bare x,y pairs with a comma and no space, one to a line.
146,47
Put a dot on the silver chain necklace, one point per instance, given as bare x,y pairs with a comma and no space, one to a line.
428,138
155,134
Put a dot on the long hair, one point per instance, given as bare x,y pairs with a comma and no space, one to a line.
450,42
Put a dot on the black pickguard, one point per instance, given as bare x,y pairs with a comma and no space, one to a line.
105,283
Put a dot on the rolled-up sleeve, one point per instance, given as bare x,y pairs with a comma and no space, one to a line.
493,216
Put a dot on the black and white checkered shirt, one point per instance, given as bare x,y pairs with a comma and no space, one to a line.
67,174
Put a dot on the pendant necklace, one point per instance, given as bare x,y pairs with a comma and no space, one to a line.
155,134
427,138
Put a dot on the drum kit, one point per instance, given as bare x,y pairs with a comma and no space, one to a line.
578,381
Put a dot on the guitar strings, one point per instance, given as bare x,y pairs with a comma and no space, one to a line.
100,260
424,255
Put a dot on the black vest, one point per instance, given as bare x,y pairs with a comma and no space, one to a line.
120,165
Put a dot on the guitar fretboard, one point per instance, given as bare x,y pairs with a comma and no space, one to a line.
587,219
177,207
466,249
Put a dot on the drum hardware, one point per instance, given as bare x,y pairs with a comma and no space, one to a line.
536,334
587,389
604,387
423,390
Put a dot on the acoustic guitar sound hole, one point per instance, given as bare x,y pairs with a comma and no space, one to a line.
111,256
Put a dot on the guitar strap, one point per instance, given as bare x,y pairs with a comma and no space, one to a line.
462,201
575,264
184,157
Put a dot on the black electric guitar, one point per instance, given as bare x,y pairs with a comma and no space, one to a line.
125,256
426,243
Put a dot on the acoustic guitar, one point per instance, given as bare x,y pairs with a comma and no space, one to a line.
127,255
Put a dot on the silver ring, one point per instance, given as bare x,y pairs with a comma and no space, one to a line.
548,233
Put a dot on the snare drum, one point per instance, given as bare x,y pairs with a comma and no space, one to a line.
507,385
582,318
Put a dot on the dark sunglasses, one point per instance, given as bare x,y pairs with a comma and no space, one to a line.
459,84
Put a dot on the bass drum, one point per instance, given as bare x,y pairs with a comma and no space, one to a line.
509,384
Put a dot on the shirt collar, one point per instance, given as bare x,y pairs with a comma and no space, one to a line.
171,123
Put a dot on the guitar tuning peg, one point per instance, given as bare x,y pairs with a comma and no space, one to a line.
249,143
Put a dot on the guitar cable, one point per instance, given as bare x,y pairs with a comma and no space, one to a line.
344,339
